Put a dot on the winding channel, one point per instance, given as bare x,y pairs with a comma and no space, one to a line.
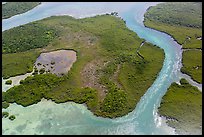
46,117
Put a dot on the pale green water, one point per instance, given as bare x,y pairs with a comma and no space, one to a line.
47,117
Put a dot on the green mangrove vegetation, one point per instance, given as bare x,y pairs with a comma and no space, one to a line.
10,9
8,82
108,76
18,63
187,14
42,70
26,42
5,105
12,117
5,114
20,40
184,22
192,60
182,105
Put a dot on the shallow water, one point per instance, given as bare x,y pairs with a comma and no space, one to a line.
75,9
188,78
15,81
46,117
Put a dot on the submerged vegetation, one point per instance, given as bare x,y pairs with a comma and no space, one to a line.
110,88
10,9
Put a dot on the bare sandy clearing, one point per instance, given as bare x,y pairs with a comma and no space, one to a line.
56,62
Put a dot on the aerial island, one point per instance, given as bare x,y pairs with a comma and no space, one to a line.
100,63
112,69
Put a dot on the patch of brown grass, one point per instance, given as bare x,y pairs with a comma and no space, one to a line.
90,77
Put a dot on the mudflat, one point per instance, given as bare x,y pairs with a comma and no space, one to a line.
56,62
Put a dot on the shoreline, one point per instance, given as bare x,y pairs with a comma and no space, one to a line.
4,18
163,32
179,45
179,131
185,72
15,80
176,129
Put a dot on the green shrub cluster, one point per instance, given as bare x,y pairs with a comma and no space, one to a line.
8,82
115,101
5,114
13,8
183,103
42,70
52,62
34,88
18,63
183,81
5,105
27,37
35,71
12,117
192,64
31,89
187,14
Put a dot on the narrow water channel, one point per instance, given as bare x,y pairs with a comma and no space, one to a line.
46,117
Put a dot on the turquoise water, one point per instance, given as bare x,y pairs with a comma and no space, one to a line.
76,9
46,117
